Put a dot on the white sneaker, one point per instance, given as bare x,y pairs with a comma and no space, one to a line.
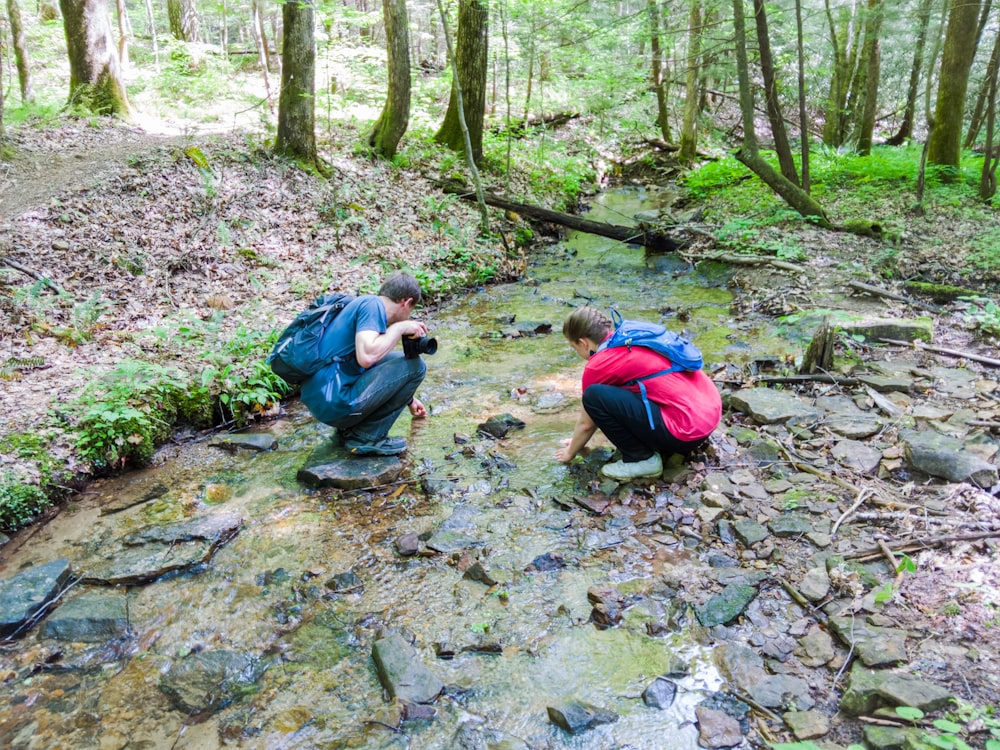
620,470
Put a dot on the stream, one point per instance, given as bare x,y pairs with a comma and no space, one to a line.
314,576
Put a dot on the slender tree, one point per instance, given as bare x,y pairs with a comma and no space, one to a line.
151,28
20,51
945,143
778,133
976,120
905,131
872,60
803,122
689,130
834,125
988,176
95,81
471,63
749,154
297,103
395,116
657,77
124,33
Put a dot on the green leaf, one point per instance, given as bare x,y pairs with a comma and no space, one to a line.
909,713
947,726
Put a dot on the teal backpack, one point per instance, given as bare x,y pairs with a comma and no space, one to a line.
295,357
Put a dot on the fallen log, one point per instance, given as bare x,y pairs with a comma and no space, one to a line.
653,239
917,344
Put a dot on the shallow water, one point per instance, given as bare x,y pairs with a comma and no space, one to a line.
264,592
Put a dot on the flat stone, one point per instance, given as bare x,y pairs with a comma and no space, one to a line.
91,617
576,717
767,406
330,466
857,456
900,329
210,680
258,442
945,457
807,725
401,672
29,592
726,606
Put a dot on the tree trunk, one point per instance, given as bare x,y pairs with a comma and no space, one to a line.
781,146
872,59
261,43
792,194
20,52
94,79
124,33
988,178
689,130
905,131
803,122
656,62
470,62
297,103
395,117
151,25
183,17
946,140
836,103
976,121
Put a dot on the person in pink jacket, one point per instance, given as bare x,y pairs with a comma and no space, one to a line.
690,406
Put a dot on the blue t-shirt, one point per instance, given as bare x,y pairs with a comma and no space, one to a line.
327,392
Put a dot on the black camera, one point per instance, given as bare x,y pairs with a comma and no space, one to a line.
414,346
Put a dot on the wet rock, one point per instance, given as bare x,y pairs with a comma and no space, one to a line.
576,717
742,666
345,583
210,680
717,729
900,329
478,572
546,562
887,383
596,504
750,532
857,456
401,672
445,650
893,738
791,525
257,441
151,553
441,487
606,615
550,402
330,466
767,406
942,456
499,426
4,539
875,646
408,545
141,490
844,418
716,482
216,494
807,725
92,617
726,606
25,595
816,648
869,689
660,693
418,711
815,585
456,533
780,691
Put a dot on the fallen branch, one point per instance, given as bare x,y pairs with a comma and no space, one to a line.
752,260
802,601
31,272
885,293
917,344
816,378
857,504
984,423
919,544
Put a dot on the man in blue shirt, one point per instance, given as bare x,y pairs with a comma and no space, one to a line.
364,390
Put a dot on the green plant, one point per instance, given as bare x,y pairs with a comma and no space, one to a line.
984,313
952,730
20,501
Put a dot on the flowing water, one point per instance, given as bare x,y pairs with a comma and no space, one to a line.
265,592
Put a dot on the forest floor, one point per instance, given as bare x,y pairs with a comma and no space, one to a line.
151,232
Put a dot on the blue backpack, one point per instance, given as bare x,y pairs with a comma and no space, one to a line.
295,357
683,355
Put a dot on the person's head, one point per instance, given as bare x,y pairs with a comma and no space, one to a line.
402,293
400,286
585,329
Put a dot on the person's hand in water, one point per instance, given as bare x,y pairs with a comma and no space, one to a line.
417,409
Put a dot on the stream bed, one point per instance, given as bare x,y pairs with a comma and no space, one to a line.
309,579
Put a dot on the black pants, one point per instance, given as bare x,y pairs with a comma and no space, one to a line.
621,416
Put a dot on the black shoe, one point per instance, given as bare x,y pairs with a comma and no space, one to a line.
387,446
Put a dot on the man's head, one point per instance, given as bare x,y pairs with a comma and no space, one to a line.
400,287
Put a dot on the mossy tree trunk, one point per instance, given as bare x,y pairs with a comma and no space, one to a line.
945,145
871,58
689,130
183,18
297,103
836,103
656,73
471,62
94,78
20,52
395,117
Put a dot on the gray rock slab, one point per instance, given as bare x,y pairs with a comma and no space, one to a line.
875,646
331,466
945,457
750,532
900,329
148,554
91,617
726,606
402,674
857,456
25,595
717,729
257,442
767,406
576,717
209,680
780,690
869,689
